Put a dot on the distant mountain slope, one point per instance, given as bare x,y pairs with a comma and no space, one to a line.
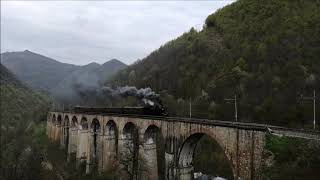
266,53
59,79
111,67
87,78
39,72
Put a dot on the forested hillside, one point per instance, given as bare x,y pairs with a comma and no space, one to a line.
265,53
21,112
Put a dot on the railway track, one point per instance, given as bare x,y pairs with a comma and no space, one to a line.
275,130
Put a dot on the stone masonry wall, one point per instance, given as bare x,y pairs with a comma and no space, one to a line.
242,147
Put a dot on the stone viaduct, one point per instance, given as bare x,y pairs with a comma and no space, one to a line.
132,143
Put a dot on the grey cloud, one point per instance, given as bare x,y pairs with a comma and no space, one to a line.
81,32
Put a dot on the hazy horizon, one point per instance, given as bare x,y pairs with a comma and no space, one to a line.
83,32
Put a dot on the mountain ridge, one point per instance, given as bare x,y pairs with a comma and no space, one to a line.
28,52
46,74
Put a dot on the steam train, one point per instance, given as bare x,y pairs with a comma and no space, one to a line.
146,110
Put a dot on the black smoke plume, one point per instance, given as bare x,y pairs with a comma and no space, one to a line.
95,96
146,95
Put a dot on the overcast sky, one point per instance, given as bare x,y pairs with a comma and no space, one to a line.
81,32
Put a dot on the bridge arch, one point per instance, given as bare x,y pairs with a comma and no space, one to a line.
73,137
129,150
54,118
58,129
59,119
151,133
95,130
129,131
74,122
154,152
66,118
52,127
111,128
84,124
83,147
187,153
95,125
66,126
111,135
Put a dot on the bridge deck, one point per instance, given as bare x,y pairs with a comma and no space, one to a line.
275,130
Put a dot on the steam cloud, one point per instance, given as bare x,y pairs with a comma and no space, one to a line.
146,95
99,95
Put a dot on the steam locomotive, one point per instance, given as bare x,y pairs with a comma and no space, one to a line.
147,110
